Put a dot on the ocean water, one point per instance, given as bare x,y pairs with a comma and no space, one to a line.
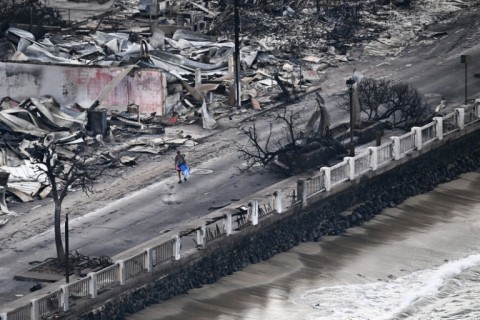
451,291
419,260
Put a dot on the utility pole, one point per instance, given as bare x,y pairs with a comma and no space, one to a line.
465,59
350,82
237,55
67,272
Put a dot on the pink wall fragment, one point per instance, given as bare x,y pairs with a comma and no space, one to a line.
70,84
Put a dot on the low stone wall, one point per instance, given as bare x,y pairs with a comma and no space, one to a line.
327,216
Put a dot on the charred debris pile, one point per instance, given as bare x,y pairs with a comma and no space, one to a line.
285,48
192,42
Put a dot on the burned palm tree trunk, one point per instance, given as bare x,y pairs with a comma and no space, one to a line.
324,124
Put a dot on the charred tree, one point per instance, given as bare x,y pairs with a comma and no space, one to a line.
263,150
399,103
29,12
283,148
62,173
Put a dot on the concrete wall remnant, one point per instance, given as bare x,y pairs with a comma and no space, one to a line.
70,84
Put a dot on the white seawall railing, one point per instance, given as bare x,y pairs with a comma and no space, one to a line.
228,224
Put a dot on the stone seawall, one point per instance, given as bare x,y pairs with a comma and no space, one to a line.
332,214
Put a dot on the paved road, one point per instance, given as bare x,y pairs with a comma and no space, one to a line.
144,214
431,65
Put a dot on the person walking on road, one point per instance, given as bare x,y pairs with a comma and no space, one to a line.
180,166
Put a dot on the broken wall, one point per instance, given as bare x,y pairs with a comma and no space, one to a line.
82,84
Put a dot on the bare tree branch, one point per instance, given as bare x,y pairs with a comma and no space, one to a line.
399,103
63,172
277,150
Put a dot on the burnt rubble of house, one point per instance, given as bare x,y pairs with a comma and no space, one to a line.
43,121
285,49
282,47
293,41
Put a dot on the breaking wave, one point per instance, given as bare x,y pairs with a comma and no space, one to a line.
449,292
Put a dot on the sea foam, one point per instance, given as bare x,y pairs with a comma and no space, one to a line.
384,300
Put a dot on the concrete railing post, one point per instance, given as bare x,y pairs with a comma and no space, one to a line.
35,314
65,297
396,147
418,137
3,316
176,247
351,167
148,259
201,235
254,212
327,177
302,191
460,118
121,272
93,285
277,201
228,224
439,127
373,158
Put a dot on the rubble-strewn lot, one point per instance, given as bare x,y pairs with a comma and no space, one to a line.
288,45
